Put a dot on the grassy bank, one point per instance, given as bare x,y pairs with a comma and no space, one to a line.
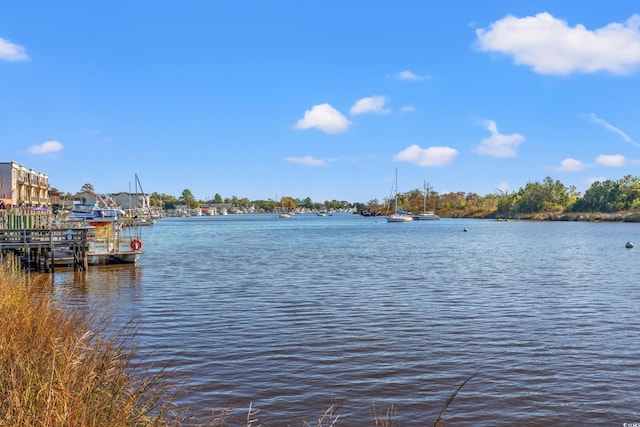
57,370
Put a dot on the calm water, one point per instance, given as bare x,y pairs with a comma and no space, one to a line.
288,314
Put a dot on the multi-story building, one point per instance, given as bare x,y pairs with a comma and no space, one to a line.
23,187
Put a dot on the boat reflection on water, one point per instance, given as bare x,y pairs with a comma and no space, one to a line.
98,285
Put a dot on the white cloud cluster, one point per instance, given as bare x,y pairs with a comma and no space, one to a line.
409,75
325,118
498,145
11,51
306,161
328,119
571,165
551,46
46,147
371,104
610,160
427,157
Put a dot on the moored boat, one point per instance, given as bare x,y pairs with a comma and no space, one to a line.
426,215
110,241
398,215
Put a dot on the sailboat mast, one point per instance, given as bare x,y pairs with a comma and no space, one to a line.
427,193
396,190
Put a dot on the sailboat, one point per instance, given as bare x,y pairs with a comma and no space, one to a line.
281,213
426,215
397,215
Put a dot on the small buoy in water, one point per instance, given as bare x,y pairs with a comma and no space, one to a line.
629,245
466,229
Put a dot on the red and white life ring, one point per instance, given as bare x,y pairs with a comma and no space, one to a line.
136,244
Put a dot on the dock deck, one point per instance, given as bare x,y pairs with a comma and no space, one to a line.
42,249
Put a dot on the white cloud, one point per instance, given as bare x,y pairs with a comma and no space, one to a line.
503,187
46,147
550,46
498,145
612,160
306,161
571,165
426,157
409,75
612,128
407,109
11,51
325,118
371,104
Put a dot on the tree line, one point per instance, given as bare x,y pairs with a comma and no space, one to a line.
187,198
548,195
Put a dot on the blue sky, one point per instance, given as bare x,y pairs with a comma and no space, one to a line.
320,99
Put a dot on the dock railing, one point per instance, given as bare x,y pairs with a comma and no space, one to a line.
41,249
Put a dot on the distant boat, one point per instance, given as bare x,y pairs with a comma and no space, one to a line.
398,215
93,214
282,213
426,215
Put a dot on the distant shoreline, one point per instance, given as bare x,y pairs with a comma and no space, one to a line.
625,216
576,216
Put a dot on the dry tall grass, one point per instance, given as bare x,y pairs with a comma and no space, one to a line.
56,371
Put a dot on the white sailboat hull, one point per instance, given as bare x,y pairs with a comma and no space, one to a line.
426,216
399,218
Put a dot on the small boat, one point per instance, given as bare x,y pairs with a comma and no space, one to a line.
426,215
629,245
280,210
398,215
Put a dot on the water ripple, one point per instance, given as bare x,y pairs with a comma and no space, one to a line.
289,314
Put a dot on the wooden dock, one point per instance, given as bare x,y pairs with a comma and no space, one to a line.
42,249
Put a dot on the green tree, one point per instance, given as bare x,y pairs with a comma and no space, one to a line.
610,196
545,196
506,204
187,198
217,199
600,197
307,203
87,188
629,192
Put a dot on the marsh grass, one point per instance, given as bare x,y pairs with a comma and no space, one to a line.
57,369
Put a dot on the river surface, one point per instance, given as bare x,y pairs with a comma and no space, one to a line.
289,315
